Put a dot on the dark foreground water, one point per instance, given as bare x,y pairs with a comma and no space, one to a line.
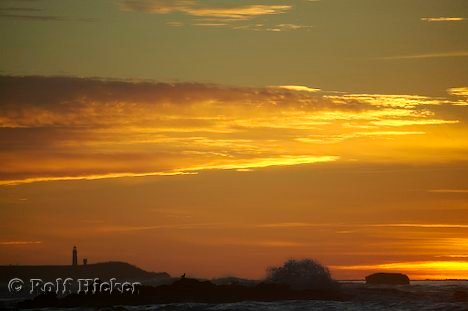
422,295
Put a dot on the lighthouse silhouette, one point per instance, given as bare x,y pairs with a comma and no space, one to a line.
75,257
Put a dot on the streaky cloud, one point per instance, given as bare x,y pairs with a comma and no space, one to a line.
397,122
449,191
410,225
197,9
299,88
45,18
458,91
19,243
426,55
443,19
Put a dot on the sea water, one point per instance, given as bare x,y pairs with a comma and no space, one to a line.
420,296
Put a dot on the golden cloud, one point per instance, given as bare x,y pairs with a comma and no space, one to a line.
458,91
61,128
442,19
194,8
299,88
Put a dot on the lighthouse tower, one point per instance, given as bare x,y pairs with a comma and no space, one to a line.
75,257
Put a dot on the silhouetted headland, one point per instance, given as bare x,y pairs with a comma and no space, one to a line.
105,270
303,279
294,280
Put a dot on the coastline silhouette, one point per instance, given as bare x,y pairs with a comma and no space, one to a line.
296,279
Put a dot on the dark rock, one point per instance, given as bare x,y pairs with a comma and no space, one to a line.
387,279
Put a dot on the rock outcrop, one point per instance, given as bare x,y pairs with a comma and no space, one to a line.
387,279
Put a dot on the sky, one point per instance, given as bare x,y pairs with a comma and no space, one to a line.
218,138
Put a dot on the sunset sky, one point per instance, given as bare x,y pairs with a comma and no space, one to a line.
218,138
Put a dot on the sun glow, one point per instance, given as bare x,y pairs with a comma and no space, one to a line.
418,270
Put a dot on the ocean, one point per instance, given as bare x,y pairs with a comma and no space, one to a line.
420,295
